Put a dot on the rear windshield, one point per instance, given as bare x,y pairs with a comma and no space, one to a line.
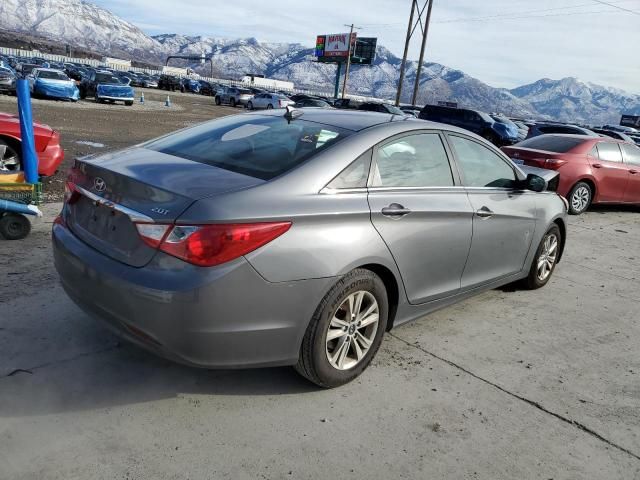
52,75
258,146
107,78
551,143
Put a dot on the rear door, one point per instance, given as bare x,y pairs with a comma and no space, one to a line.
504,217
610,172
632,162
421,212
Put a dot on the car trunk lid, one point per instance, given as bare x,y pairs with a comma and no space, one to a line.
535,158
113,192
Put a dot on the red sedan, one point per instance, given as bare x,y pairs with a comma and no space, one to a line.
47,141
592,169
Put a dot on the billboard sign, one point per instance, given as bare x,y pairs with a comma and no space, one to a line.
334,49
334,45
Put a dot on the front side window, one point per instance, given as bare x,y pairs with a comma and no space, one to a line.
480,166
631,154
412,161
609,152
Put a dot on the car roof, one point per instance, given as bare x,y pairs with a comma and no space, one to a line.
354,120
57,70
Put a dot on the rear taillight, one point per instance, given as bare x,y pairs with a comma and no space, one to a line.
71,195
209,245
553,163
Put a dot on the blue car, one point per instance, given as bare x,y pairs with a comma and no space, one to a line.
104,86
497,132
51,83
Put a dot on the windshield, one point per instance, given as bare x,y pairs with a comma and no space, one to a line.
107,78
551,143
258,146
52,75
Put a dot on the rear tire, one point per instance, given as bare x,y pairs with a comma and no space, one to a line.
580,198
545,260
355,338
11,160
250,105
14,226
269,107
217,100
128,103
232,102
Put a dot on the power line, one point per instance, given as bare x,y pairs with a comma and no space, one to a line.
616,6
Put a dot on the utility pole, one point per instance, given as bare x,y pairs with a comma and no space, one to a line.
346,73
424,29
425,32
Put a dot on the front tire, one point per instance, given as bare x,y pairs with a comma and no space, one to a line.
217,101
250,105
232,102
546,259
128,103
345,331
580,198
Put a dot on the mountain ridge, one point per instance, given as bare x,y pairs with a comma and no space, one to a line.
85,25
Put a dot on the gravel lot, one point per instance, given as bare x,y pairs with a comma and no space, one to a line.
103,127
510,384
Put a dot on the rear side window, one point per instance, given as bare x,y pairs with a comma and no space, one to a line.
609,152
258,146
355,175
412,161
551,143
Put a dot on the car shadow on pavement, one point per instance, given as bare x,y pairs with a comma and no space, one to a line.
122,374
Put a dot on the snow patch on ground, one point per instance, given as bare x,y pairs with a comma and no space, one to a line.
91,144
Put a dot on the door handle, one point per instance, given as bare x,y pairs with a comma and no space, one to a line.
597,165
633,172
395,210
484,212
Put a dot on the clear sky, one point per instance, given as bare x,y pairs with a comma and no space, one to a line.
504,43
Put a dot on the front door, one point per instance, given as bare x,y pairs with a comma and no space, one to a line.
632,162
421,213
504,217
611,174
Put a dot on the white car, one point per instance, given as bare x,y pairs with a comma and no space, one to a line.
269,100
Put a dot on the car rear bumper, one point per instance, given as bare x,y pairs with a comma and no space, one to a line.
225,317
117,99
50,159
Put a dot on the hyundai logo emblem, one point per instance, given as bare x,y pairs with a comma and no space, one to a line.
99,185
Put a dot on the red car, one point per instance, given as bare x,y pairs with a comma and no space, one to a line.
47,140
592,169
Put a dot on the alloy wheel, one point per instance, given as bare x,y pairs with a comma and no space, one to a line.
580,198
352,330
9,161
548,256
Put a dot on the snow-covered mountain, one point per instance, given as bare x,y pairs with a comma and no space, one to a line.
571,98
87,26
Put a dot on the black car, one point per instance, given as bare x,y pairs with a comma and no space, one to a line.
613,134
312,102
168,82
475,121
381,107
27,68
105,86
536,129
347,103
207,88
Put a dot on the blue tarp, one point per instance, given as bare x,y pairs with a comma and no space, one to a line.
122,92
56,89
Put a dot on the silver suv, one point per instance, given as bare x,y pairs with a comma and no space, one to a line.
233,96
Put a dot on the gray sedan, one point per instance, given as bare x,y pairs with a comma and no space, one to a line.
298,237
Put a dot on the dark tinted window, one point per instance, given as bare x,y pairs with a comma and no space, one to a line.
107,78
551,143
52,75
261,147
413,161
631,154
355,175
480,166
609,152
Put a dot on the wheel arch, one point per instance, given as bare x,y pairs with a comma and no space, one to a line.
391,285
563,235
13,142
592,184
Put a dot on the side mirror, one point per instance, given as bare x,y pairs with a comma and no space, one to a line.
535,183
